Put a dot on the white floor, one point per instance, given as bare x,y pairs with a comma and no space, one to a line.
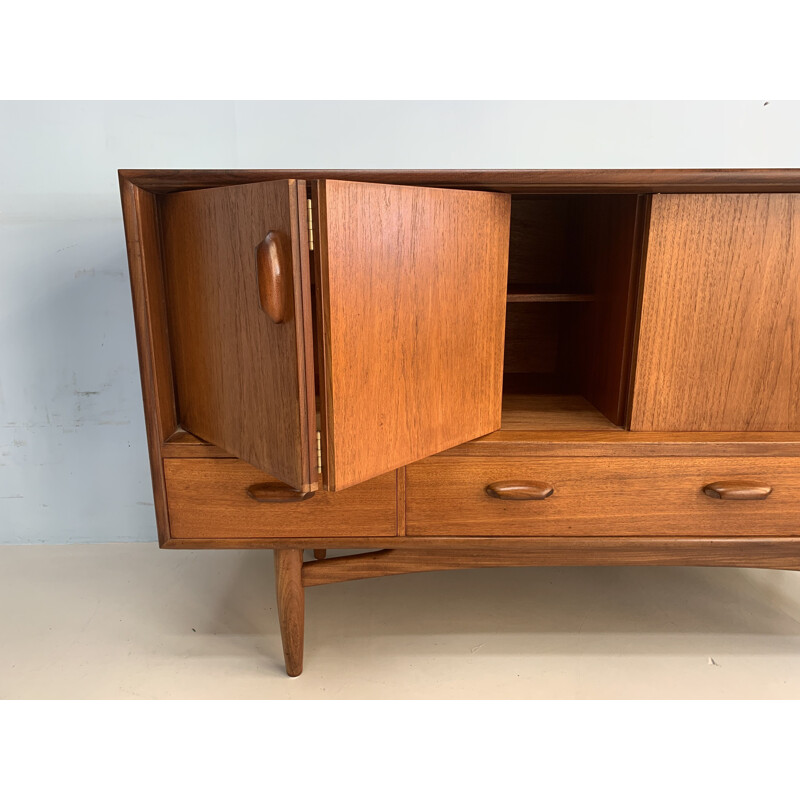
131,621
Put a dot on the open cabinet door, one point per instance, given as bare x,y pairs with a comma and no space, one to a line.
237,269
411,293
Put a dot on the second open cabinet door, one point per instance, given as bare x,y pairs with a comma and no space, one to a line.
404,304
412,291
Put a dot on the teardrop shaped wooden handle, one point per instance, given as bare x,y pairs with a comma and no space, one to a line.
738,490
519,490
273,277
277,493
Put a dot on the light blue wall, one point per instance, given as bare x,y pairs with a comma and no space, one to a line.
73,460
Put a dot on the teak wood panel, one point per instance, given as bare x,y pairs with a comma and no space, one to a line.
604,497
140,214
243,381
207,498
719,335
412,284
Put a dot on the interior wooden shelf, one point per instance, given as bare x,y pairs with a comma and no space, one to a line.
549,298
531,293
522,293
552,412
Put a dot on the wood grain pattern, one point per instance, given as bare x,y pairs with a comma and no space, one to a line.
551,412
583,439
608,238
626,444
540,240
608,497
140,214
243,382
767,552
208,498
412,282
401,501
531,339
401,562
291,607
719,335
544,181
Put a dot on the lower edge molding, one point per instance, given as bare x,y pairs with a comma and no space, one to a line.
398,562
760,552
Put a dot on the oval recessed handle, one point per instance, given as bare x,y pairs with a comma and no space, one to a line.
519,490
738,490
273,277
276,493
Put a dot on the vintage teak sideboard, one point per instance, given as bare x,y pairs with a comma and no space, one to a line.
470,368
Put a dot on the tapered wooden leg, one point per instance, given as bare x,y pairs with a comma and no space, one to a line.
291,607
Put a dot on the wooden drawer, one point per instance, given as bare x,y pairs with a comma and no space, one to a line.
207,499
601,497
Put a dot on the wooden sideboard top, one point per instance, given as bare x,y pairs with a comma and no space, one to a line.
551,181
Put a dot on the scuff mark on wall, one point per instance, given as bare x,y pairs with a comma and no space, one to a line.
91,272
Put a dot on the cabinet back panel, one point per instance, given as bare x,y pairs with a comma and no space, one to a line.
719,338
531,338
540,240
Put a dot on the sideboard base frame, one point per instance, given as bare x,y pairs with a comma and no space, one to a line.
293,575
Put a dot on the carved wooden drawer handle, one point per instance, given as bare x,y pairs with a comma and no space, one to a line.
738,490
277,493
519,490
273,278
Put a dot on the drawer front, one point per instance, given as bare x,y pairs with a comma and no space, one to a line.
600,497
207,499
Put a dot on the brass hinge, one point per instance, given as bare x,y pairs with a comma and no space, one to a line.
319,451
310,226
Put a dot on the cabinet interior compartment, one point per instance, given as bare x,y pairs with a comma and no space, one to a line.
572,283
